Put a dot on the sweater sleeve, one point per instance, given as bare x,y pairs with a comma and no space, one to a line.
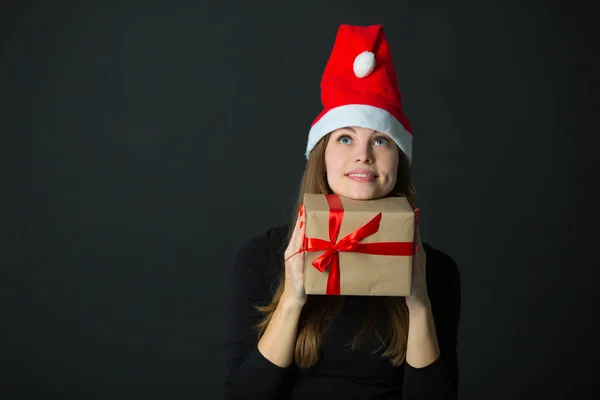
439,380
249,375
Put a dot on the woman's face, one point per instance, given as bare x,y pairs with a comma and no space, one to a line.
361,164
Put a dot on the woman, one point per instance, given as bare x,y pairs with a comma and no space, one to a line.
284,344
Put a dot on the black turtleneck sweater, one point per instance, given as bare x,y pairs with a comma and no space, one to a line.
340,373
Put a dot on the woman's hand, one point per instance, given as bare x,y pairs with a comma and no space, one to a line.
293,291
419,297
278,342
422,346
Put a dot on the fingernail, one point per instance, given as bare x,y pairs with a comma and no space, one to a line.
417,248
301,210
301,224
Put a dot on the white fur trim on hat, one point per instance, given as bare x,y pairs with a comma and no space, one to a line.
364,116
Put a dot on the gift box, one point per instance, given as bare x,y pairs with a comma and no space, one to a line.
358,247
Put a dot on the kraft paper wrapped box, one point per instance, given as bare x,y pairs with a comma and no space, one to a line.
372,253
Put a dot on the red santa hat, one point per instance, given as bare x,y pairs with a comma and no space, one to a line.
359,88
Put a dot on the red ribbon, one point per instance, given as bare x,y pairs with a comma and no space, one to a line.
350,243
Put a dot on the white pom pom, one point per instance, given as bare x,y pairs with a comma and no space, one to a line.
364,64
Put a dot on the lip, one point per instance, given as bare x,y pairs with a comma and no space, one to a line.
362,171
372,175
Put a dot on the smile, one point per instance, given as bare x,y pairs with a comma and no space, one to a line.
361,177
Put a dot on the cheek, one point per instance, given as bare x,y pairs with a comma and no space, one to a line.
391,166
334,172
333,165
393,178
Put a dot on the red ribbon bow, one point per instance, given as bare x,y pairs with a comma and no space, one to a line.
350,243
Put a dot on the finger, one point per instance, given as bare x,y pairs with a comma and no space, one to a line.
418,244
298,219
301,232
294,239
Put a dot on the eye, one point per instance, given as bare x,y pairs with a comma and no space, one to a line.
344,139
381,141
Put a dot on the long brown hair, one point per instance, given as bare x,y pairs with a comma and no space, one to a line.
318,311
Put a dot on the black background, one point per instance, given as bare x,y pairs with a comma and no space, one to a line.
142,142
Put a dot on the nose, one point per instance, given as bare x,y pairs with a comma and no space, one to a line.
364,153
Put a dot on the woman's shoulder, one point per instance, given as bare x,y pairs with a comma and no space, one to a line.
262,250
271,240
443,273
439,258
